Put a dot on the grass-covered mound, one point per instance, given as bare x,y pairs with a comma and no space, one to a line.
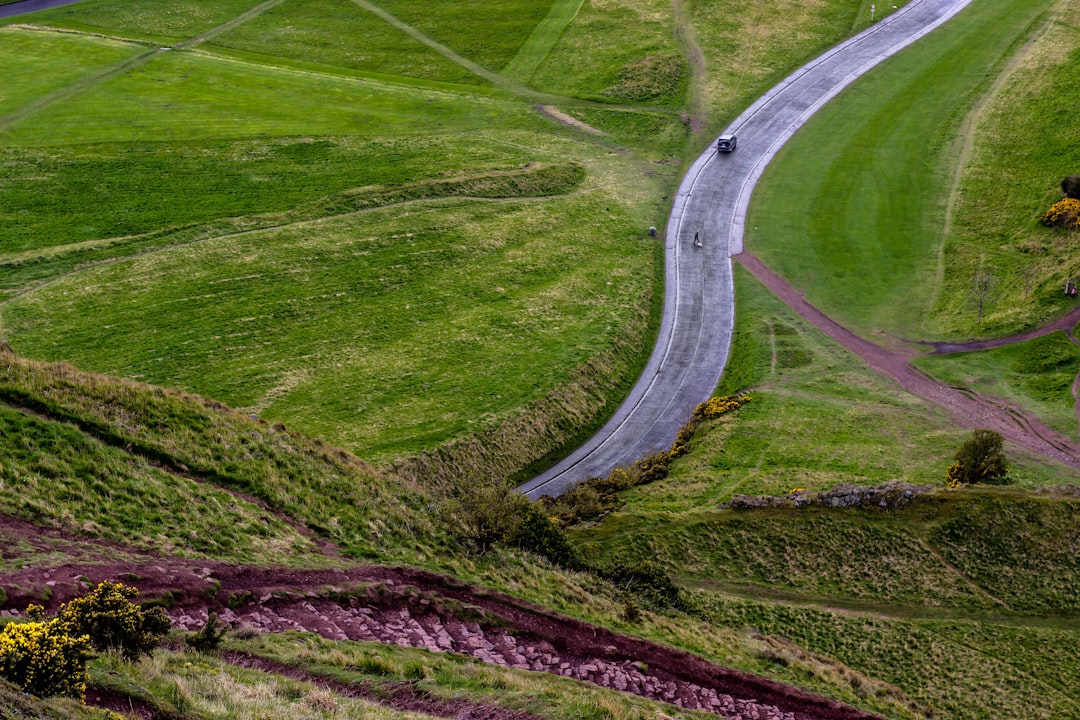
158,469
971,550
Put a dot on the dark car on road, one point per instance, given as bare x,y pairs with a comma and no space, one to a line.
725,143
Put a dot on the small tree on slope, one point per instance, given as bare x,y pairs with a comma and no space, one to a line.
981,459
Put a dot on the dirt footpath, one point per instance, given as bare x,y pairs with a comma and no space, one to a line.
421,609
968,408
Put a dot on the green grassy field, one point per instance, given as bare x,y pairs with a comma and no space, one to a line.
853,209
132,168
1023,144
368,240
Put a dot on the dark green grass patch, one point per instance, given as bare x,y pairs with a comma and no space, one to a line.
1037,375
340,33
852,209
56,476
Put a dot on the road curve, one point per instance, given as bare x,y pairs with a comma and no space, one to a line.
711,204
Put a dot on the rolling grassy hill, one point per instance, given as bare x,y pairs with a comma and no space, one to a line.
350,221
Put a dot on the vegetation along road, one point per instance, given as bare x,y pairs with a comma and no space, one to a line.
705,228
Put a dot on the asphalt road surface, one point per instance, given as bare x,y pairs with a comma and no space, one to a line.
705,229
29,6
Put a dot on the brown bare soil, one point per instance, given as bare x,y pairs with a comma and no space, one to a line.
968,408
408,607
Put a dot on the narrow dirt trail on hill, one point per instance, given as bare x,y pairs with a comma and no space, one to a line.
414,608
968,409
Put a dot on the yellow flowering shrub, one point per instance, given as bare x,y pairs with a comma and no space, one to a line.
113,622
717,406
43,659
1064,213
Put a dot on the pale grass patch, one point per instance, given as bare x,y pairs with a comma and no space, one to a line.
203,686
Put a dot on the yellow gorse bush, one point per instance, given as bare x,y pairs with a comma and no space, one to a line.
43,659
717,406
1064,213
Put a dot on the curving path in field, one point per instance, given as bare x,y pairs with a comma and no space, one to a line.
699,304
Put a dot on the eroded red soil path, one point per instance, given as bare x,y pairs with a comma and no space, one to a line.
968,408
408,607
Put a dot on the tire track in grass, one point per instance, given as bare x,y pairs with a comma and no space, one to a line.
125,66
476,69
540,43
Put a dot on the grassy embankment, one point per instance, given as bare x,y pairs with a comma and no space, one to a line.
944,600
963,667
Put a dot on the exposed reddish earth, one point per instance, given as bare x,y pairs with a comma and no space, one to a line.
968,408
408,607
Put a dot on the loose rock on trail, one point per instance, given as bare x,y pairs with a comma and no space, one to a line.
416,608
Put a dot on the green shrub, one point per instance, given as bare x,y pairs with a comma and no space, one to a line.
537,534
647,581
209,638
113,622
44,659
489,513
981,459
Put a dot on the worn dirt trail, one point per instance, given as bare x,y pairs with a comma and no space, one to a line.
968,409
403,606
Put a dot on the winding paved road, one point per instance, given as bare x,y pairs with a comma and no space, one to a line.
699,298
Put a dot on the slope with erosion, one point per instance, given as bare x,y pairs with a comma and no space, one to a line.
325,493
942,598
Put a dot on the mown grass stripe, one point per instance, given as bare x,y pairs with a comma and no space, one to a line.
492,77
542,40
